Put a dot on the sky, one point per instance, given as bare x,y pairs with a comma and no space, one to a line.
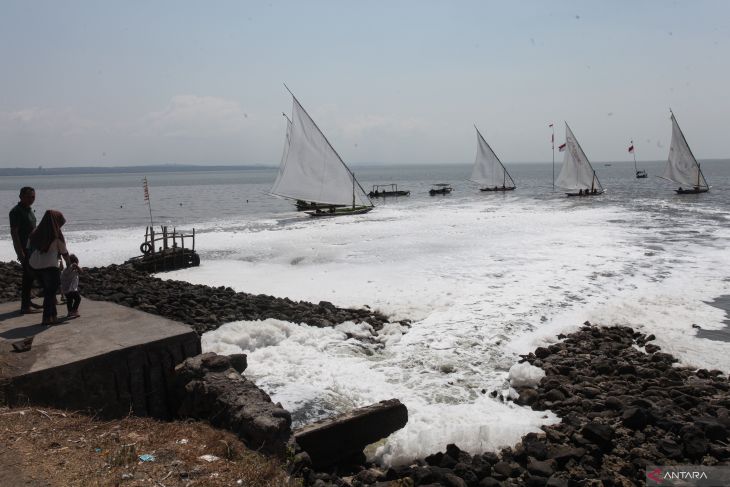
89,83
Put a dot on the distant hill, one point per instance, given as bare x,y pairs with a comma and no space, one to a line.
53,171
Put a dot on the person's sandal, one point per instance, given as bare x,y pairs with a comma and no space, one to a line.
23,345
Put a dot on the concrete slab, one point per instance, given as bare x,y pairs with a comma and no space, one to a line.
112,359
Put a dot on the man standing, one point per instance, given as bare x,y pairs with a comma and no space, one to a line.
22,223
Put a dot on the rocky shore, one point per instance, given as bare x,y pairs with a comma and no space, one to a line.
623,404
204,308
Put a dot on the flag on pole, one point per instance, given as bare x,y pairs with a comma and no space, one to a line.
631,147
561,148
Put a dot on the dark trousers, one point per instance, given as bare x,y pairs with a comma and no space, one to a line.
50,279
26,284
73,299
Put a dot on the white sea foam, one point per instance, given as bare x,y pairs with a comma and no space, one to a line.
483,284
525,375
483,279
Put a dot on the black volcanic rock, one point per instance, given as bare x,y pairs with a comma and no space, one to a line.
204,308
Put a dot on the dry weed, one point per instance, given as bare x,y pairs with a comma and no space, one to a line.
44,447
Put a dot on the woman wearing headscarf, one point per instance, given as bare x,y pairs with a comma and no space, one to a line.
46,244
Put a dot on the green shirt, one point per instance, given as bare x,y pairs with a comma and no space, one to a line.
24,219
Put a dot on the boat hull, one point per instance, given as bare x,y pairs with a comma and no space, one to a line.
580,195
498,189
434,192
386,194
641,175
305,206
339,211
692,191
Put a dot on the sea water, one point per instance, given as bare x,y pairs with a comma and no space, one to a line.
484,277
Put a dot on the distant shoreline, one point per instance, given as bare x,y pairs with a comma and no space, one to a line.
56,171
163,168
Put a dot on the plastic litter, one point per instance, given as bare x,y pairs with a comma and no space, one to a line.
209,458
147,458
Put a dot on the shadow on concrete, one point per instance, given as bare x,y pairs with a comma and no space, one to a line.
24,331
9,314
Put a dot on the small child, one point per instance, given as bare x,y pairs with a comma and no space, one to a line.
70,286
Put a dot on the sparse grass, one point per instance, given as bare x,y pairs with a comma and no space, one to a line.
45,447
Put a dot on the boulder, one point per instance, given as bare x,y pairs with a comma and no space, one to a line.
208,387
332,440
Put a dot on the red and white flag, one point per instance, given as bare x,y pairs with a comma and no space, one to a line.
631,148
561,148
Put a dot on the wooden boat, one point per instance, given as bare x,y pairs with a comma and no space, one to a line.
498,188
387,190
577,176
488,170
682,167
313,174
339,211
582,193
695,190
440,188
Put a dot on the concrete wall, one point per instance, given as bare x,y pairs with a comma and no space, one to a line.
137,380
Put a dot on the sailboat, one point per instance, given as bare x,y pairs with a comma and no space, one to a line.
488,169
682,167
577,176
640,173
313,174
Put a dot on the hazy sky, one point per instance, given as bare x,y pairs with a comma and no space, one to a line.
150,82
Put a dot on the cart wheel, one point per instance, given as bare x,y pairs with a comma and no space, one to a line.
196,260
145,248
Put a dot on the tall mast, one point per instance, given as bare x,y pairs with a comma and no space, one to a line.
552,141
593,181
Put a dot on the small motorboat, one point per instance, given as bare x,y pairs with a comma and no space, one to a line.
440,188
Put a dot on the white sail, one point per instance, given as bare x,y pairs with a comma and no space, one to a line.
488,169
577,172
682,167
311,170
282,164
